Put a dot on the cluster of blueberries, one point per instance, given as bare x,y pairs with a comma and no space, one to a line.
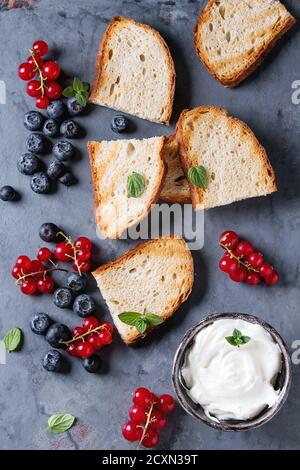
37,144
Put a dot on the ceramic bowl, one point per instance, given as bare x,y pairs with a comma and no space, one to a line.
283,381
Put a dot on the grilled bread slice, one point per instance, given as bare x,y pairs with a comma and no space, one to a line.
111,163
232,37
176,187
236,163
157,276
135,72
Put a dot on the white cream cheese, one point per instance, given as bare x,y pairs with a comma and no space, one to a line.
231,382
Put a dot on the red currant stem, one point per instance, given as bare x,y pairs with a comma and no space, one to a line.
87,333
147,423
52,262
239,259
44,272
70,242
42,78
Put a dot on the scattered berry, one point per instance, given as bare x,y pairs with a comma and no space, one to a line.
228,265
77,283
42,102
26,71
229,239
52,361
119,123
85,266
83,243
24,263
151,438
28,164
138,414
67,179
35,143
266,270
7,193
40,183
167,403
40,323
64,252
57,335
239,275
36,268
40,48
33,89
48,232
35,60
63,150
56,170
255,259
84,305
29,286
51,70
92,363
63,297
44,254
56,109
53,90
46,285
142,396
90,323
105,337
158,420
132,432
33,121
253,279
273,279
51,128
244,249
84,350
74,108
69,129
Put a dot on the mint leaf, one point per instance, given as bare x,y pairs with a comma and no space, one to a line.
198,176
68,92
77,84
141,325
12,339
85,86
245,339
237,339
81,99
135,184
60,422
153,319
236,333
130,318
230,340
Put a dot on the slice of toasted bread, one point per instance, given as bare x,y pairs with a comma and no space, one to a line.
111,163
176,187
232,37
236,163
135,72
155,277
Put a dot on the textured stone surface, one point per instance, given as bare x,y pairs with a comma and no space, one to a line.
28,393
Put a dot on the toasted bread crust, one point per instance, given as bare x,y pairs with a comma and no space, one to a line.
236,78
92,148
101,61
135,336
197,194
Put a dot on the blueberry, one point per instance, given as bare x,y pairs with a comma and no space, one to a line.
7,193
119,123
29,163
76,282
40,183
48,232
57,334
35,143
51,128
40,323
56,169
63,150
83,305
74,107
68,179
52,361
92,364
63,297
56,109
69,129
33,120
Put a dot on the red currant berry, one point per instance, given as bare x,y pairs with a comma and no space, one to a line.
24,263
72,349
26,71
53,90
142,396
94,340
229,239
46,285
244,249
83,255
266,270
90,323
51,70
83,243
84,350
138,414
63,252
29,286
85,266
158,420
16,272
240,275
167,403
132,432
44,254
36,266
151,439
38,60
273,279
33,88
107,326
42,102
228,265
253,279
40,47
255,259
105,337
78,331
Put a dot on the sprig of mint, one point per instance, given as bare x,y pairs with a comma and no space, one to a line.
237,338
12,339
198,176
141,321
79,89
135,184
60,422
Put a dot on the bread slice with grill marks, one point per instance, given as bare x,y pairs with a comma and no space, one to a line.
236,163
232,37
176,188
111,163
135,72
155,277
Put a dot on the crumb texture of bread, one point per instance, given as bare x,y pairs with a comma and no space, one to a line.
111,163
176,188
232,37
135,72
237,164
155,277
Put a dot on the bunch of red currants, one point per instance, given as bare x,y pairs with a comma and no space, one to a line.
89,337
242,263
45,88
34,275
148,416
77,253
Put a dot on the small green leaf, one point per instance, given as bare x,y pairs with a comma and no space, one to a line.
68,92
130,318
141,325
153,319
198,176
245,339
236,333
12,339
77,84
82,100
237,339
60,422
230,340
135,184
86,86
